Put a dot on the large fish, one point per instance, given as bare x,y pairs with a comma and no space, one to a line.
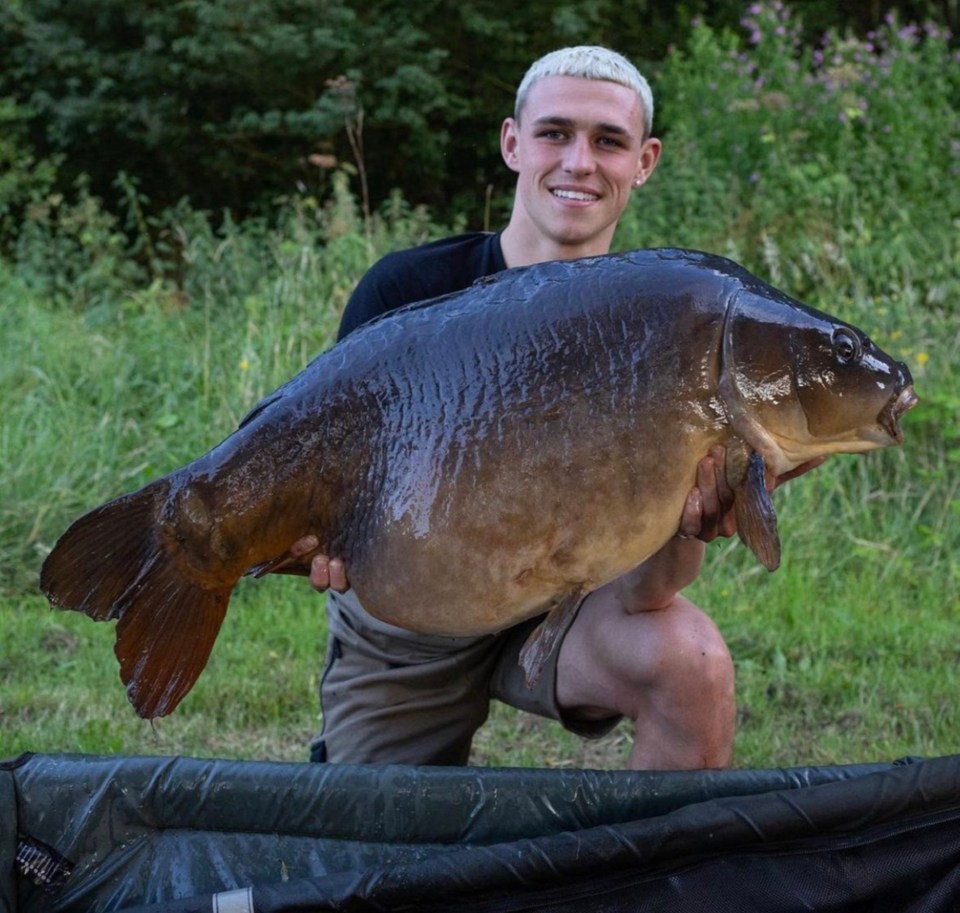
482,458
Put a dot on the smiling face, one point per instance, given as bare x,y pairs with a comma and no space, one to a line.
578,150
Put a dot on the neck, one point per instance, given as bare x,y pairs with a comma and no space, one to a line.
525,247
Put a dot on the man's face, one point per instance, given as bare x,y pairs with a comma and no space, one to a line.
578,149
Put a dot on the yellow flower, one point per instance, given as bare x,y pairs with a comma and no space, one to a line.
922,358
244,364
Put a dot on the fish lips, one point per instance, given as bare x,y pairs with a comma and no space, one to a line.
889,417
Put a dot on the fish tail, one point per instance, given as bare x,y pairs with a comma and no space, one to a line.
116,563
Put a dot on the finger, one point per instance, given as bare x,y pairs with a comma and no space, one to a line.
338,575
724,492
690,518
710,509
727,526
304,546
320,573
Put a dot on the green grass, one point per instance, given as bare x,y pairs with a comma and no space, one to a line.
846,653
112,374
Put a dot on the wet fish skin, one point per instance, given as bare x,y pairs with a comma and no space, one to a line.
478,459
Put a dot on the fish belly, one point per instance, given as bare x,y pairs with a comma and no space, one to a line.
470,549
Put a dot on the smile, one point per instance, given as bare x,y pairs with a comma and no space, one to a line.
578,195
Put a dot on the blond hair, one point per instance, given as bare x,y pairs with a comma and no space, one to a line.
589,62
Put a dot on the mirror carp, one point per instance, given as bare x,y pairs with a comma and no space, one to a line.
507,449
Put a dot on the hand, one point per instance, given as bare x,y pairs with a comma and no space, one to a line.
325,573
708,511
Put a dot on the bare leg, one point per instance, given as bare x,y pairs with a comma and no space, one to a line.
668,670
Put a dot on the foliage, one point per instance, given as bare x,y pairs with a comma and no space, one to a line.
844,654
840,160
221,101
23,177
231,103
77,252
136,330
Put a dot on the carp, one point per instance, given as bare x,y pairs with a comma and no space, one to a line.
488,456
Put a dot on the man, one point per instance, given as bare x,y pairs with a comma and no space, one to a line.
580,142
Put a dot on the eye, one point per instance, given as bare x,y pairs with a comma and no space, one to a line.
847,345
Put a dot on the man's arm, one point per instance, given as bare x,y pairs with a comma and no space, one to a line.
707,514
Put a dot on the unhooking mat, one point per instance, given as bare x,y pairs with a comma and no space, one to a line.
94,834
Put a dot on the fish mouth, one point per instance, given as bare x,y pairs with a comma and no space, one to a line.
889,417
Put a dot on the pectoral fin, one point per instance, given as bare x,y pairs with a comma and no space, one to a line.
546,636
756,517
284,564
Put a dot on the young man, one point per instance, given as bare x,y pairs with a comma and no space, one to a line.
580,142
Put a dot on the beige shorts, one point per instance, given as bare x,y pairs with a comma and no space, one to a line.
392,696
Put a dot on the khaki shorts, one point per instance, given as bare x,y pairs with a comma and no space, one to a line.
389,695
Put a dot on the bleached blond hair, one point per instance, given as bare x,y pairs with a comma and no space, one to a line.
589,62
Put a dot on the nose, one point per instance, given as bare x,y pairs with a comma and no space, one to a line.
579,158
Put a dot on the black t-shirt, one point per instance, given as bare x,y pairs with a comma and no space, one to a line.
420,273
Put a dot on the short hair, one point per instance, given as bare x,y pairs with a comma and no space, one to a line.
589,62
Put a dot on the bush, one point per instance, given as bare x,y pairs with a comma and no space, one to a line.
838,161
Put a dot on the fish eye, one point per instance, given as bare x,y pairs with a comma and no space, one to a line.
847,345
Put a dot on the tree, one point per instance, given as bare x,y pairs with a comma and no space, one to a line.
235,102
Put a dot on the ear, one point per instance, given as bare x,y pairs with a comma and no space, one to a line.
509,140
649,156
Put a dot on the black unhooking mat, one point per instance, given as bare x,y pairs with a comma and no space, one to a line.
93,834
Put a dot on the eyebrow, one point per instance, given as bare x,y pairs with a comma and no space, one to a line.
570,122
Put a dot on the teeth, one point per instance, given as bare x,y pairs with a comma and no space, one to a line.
574,195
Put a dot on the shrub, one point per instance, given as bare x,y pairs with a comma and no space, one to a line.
839,160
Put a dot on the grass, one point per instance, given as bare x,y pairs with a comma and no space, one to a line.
845,654
112,375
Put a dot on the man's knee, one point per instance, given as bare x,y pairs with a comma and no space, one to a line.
692,649
685,716
613,660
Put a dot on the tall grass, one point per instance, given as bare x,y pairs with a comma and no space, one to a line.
121,359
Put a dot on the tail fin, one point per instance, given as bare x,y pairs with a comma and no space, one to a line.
115,563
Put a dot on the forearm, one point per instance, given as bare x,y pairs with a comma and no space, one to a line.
653,584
